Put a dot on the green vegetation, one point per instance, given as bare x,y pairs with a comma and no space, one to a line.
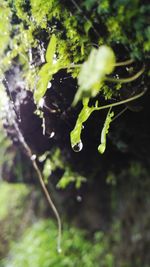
13,203
69,38
6,154
93,71
37,248
52,162
67,61
116,246
47,71
102,146
17,194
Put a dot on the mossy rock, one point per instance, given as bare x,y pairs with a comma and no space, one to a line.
17,211
37,248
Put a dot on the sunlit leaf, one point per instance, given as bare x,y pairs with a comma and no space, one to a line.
75,135
51,49
102,146
70,177
100,63
45,75
47,71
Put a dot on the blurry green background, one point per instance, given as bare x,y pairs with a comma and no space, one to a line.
106,221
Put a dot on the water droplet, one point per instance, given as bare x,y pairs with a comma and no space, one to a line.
101,148
77,147
33,157
52,135
49,85
43,126
59,250
79,198
54,59
41,103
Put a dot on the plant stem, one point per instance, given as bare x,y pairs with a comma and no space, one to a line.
126,80
123,101
119,114
124,63
39,174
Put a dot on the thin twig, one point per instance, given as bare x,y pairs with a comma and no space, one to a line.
126,80
119,114
40,177
124,63
123,101
34,163
39,174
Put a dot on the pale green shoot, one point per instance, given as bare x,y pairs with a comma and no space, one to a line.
102,146
51,49
75,135
47,71
100,63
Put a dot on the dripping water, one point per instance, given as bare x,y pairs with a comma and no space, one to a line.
33,157
79,198
52,135
77,147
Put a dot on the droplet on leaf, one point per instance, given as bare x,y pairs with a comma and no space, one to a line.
77,147
49,85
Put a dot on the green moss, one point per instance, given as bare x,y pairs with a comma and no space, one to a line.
77,27
12,198
13,213
72,29
6,155
5,27
37,249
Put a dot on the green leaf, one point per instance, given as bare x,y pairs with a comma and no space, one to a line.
87,26
75,135
41,87
45,75
70,177
102,146
100,63
51,49
47,71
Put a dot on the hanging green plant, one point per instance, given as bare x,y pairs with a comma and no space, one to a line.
102,146
100,63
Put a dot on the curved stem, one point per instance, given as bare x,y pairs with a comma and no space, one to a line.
119,114
123,101
39,174
73,66
126,80
50,203
124,63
